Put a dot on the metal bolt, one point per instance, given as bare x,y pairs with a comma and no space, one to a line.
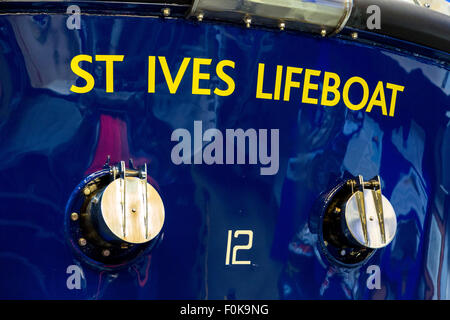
248,21
74,216
323,32
282,25
82,242
354,253
133,210
343,252
371,218
426,5
200,17
166,12
354,35
87,191
106,253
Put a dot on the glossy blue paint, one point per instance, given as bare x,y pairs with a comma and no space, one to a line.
51,139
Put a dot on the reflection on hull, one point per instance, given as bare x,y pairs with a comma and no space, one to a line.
52,138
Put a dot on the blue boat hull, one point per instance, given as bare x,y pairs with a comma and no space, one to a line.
52,138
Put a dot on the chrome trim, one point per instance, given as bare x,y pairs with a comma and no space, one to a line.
345,17
328,15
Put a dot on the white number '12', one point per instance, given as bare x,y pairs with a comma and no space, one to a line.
237,233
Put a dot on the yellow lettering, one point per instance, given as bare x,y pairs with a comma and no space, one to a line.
333,89
74,65
171,84
278,79
260,83
289,83
225,78
309,86
197,76
151,74
379,90
109,59
345,97
394,88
